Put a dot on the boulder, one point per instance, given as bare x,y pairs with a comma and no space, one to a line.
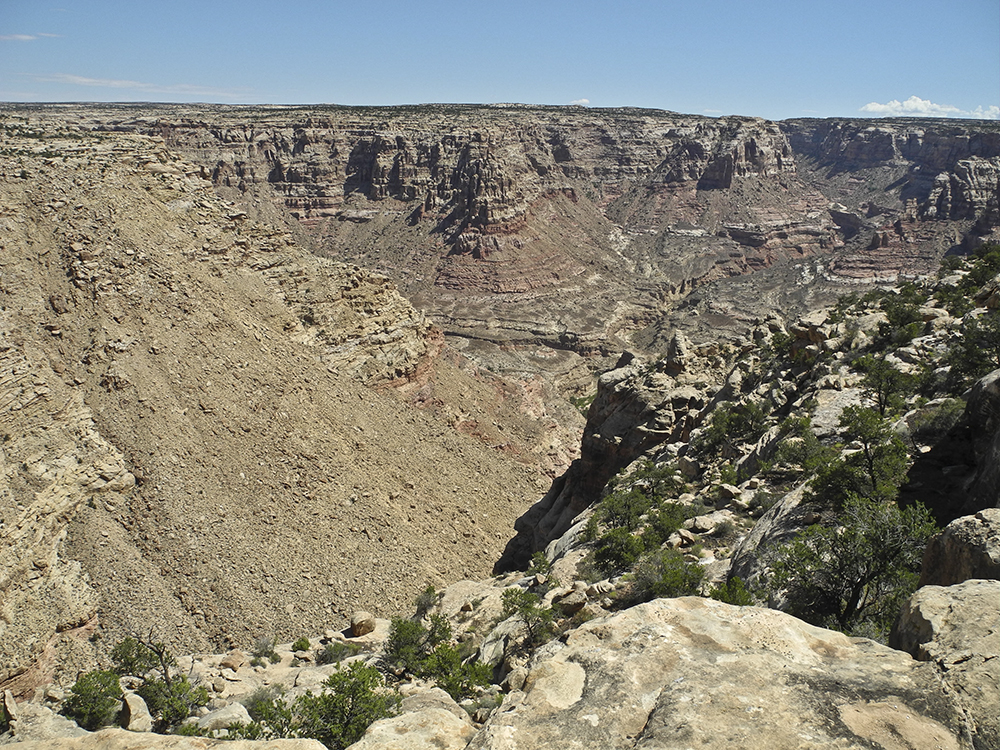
35,723
223,717
362,623
233,660
135,714
780,524
694,672
969,547
955,628
429,720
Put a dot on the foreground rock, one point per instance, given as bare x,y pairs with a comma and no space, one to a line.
121,739
694,672
955,628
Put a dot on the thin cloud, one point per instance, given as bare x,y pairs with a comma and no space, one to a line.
917,107
581,102
182,89
18,37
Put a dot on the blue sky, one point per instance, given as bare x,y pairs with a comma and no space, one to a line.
777,59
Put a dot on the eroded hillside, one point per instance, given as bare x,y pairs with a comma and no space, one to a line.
187,443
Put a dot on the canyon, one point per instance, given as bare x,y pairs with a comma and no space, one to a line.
262,367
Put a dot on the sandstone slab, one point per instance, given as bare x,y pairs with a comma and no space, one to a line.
957,628
693,672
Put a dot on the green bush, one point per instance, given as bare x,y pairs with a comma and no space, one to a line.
426,653
302,644
853,577
662,522
733,423
617,550
352,699
172,700
95,699
884,385
335,652
425,600
932,423
540,565
263,648
538,621
733,591
977,352
875,471
664,574
261,701
130,657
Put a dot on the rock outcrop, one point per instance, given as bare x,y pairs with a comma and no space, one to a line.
955,629
638,406
969,547
121,739
694,672
983,417
516,206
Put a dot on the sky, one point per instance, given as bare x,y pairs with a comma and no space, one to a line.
776,59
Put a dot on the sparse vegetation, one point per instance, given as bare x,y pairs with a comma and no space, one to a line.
95,699
425,652
170,697
664,574
335,652
855,575
733,591
352,699
538,621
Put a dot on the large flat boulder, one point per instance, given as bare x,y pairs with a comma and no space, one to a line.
956,629
693,672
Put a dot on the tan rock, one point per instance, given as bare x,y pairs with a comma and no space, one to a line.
121,739
969,547
362,623
429,720
233,660
135,715
693,672
955,629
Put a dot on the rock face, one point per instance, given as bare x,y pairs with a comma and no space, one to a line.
502,221
693,672
955,629
637,406
984,425
968,548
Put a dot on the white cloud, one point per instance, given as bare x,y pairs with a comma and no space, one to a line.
917,107
18,37
581,102
182,89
